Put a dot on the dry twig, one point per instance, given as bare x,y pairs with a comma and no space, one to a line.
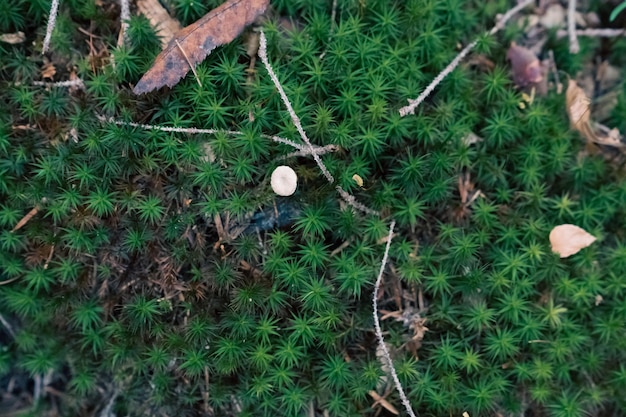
54,9
413,104
379,332
574,46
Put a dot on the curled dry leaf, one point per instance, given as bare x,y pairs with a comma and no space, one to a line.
568,239
192,44
525,65
578,110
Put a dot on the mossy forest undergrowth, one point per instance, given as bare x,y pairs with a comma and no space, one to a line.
161,276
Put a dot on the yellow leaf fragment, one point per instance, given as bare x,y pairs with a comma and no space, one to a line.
358,180
568,239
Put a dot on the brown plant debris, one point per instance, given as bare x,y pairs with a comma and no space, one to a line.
578,110
165,25
379,400
26,219
221,25
13,38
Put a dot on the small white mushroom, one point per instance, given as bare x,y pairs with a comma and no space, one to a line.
284,181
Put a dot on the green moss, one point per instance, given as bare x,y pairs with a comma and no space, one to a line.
154,262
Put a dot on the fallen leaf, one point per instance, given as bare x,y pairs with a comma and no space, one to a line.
568,239
578,110
165,25
525,65
577,104
192,44
13,38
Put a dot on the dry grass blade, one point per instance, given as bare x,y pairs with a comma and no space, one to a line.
219,26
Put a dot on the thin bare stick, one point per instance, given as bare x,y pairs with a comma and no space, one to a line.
72,83
25,219
49,258
305,152
349,198
8,281
7,326
124,17
52,19
410,109
594,33
413,104
302,150
292,113
574,46
379,332
555,72
333,16
188,62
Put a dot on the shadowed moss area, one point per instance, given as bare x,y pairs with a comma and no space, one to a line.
160,275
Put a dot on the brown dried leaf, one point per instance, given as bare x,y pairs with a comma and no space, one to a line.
568,239
192,44
578,110
577,104
165,25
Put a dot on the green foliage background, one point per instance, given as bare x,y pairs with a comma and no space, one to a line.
115,287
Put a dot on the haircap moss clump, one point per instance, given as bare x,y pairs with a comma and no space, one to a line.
158,274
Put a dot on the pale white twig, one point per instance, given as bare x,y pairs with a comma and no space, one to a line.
410,109
574,46
72,83
294,117
594,33
7,326
502,21
349,198
124,17
379,332
302,150
52,18
333,15
413,104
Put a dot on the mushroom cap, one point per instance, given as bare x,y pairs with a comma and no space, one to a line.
284,181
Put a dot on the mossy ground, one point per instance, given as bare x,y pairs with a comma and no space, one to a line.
122,285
